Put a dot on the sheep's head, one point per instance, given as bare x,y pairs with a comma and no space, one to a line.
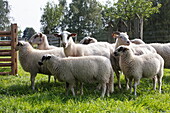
121,50
44,58
122,38
21,44
66,37
37,38
88,40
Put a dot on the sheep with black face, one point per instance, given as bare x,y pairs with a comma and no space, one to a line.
135,67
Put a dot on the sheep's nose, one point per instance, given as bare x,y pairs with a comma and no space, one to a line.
64,44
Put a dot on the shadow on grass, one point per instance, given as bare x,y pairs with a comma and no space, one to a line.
18,90
56,92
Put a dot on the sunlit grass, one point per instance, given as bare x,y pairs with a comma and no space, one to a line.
17,96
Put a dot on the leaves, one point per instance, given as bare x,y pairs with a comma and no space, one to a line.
51,17
4,14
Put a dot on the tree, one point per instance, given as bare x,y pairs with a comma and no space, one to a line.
51,17
128,10
84,17
159,23
28,32
4,14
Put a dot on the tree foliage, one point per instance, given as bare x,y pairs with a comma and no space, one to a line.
51,17
4,14
28,32
84,17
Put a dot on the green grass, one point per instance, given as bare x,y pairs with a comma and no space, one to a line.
16,96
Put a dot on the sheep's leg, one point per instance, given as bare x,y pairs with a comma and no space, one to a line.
111,84
127,83
130,84
71,87
49,77
103,89
81,85
154,82
108,89
159,83
32,78
136,82
67,90
118,78
55,79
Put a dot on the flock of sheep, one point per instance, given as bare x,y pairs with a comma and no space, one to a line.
94,62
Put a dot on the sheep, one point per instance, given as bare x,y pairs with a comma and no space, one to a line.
28,57
98,48
135,67
164,51
72,49
42,41
88,40
123,39
88,69
137,41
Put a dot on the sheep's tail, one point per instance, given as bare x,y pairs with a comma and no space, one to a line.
111,81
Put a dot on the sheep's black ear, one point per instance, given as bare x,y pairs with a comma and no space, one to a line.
125,49
20,44
40,34
115,34
48,57
36,36
43,58
120,49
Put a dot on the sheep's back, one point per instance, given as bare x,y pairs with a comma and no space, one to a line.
89,69
164,51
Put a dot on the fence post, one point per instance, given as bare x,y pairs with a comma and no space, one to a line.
14,55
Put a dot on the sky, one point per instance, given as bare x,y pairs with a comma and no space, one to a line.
27,13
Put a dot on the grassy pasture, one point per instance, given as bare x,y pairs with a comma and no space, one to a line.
16,96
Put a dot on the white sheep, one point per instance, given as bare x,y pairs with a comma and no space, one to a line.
87,69
28,57
73,49
143,66
163,50
123,39
42,41
98,48
137,41
88,40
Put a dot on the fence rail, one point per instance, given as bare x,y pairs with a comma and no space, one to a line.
5,53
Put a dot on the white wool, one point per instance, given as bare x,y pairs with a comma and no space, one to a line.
135,67
164,51
87,69
29,57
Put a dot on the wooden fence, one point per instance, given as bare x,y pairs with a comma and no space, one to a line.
8,55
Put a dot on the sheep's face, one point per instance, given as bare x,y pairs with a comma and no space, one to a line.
88,40
66,37
37,39
122,38
44,58
21,44
120,50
